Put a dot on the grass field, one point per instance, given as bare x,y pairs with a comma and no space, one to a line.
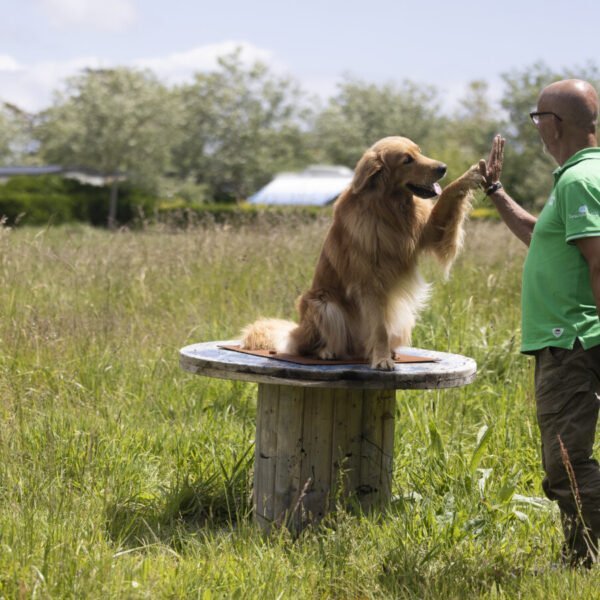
121,476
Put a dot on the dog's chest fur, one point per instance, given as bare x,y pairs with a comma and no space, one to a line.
376,239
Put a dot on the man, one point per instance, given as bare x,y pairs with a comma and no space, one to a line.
561,304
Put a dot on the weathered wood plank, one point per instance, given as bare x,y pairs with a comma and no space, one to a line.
266,452
346,441
388,418
370,450
289,455
307,475
320,458
257,499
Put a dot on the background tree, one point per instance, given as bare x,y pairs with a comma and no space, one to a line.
361,113
228,132
527,168
115,121
466,135
17,145
6,136
240,126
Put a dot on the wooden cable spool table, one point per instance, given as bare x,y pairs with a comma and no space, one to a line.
323,432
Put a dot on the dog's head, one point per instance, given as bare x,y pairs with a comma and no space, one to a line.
396,164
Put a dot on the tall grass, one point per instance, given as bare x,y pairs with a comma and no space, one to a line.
121,476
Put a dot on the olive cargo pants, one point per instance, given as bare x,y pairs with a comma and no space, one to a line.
567,390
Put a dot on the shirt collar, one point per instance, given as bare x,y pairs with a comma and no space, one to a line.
584,154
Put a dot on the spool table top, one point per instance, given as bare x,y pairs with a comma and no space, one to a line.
209,359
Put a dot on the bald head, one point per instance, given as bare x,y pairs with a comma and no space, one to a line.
575,100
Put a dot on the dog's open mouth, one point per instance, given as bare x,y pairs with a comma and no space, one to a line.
425,191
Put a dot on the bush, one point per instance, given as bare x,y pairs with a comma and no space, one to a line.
20,206
180,213
54,199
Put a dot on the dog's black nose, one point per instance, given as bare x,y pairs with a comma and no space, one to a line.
442,169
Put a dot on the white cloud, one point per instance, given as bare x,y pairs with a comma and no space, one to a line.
31,86
8,63
180,66
106,15
453,92
321,87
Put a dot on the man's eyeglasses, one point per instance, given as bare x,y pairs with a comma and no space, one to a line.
535,116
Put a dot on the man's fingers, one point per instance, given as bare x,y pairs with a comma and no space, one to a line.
492,169
498,159
483,168
501,154
492,152
496,149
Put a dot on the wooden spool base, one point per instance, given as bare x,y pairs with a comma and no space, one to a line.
324,433
317,446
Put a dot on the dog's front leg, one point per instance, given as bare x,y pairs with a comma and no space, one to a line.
380,354
378,340
443,231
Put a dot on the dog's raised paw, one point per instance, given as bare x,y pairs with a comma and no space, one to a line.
383,364
473,178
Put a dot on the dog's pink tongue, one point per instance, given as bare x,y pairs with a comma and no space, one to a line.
437,188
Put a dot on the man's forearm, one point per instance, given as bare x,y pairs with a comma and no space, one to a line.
518,220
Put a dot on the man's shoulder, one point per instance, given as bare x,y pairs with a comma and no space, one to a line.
584,164
585,173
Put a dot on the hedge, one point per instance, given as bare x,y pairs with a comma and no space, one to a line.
54,199
178,212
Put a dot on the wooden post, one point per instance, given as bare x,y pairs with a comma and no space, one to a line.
315,446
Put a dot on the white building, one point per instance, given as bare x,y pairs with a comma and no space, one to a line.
86,176
317,185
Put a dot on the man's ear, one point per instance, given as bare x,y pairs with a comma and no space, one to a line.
558,129
369,165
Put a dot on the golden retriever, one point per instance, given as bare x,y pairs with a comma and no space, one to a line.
367,291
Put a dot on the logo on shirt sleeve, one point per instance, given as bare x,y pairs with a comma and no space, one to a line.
557,331
583,211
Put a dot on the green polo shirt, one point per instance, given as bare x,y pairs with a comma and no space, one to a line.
558,306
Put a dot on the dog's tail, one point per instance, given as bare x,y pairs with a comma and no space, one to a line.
269,334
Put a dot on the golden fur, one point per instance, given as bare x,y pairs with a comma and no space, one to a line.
367,291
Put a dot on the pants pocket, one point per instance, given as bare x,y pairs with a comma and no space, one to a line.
558,377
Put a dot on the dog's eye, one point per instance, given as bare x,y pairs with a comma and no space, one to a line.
408,160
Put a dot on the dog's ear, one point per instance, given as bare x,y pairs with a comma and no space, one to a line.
369,165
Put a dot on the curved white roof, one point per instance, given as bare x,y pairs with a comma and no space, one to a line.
317,185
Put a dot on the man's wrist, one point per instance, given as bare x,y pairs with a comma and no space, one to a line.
493,188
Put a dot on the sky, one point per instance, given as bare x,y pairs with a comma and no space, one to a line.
434,42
